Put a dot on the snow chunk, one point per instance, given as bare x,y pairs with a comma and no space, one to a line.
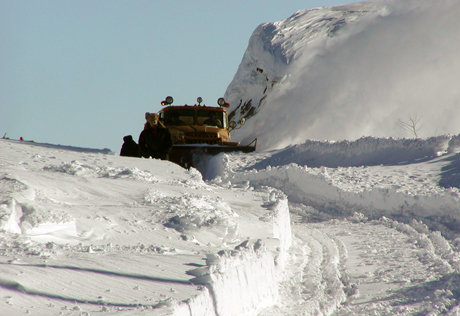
76,168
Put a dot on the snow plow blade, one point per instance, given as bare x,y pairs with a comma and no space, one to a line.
191,155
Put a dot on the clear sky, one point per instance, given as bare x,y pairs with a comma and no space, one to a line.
83,73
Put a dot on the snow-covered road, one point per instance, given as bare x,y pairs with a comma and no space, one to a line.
374,234
350,267
92,233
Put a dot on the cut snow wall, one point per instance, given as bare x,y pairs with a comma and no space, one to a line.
200,305
249,284
245,280
282,229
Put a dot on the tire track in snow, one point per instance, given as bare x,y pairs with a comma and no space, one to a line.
313,283
394,268
381,267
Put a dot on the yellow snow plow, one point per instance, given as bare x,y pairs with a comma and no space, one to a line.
199,130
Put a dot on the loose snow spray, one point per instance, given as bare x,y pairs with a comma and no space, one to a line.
397,60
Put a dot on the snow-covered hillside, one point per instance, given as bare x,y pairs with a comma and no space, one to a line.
350,71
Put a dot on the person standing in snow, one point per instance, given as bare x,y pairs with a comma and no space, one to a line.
155,140
129,148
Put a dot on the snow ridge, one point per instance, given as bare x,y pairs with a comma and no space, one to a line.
317,187
365,151
248,275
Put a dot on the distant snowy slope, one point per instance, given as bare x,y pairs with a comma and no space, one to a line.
350,71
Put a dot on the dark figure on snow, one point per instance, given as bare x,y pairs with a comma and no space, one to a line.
129,147
155,140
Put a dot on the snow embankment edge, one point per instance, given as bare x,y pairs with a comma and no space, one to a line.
245,280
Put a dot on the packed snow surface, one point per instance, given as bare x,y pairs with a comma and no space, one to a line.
269,233
86,232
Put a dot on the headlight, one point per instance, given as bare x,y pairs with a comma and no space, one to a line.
221,102
169,100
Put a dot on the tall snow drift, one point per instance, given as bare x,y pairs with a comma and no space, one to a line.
350,71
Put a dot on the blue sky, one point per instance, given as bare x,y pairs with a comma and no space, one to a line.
83,73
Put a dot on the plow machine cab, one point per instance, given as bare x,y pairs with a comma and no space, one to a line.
199,131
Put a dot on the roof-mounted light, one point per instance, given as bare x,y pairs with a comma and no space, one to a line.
222,103
199,100
169,100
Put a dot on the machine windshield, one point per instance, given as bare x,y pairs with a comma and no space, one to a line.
180,117
210,118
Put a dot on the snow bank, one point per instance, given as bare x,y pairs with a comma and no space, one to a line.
315,187
366,151
245,280
98,214
355,182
